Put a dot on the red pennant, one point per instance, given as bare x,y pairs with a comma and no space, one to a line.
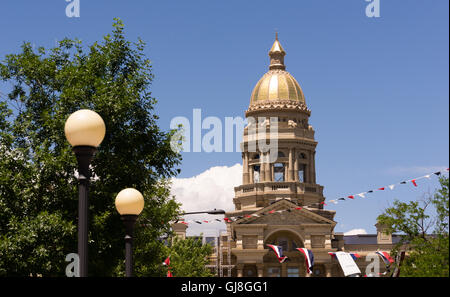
169,274
226,220
323,203
205,222
248,216
381,189
298,208
414,182
272,211
167,261
351,197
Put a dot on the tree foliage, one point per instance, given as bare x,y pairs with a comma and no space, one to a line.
424,225
38,190
188,257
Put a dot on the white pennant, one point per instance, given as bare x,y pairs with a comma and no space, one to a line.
391,187
361,195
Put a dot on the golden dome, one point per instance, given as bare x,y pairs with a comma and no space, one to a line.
277,84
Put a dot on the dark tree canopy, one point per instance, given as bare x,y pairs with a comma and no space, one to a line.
38,190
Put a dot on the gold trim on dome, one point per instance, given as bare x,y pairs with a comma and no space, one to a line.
278,105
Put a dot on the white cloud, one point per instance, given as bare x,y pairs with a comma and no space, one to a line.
213,188
355,232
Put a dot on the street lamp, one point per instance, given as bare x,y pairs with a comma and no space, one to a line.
85,131
129,203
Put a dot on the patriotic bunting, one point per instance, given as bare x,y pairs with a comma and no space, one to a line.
278,252
334,201
387,259
167,263
309,259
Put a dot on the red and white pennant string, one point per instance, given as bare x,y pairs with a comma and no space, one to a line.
334,201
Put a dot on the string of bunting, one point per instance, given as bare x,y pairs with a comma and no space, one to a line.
334,201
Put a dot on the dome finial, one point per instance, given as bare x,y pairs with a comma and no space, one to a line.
277,54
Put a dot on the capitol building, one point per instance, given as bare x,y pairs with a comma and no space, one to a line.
279,201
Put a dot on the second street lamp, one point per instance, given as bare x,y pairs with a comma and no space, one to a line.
129,203
85,131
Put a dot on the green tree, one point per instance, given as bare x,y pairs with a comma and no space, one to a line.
188,258
38,191
424,225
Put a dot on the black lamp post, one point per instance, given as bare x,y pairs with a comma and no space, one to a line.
85,131
129,203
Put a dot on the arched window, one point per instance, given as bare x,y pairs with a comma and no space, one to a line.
302,173
278,171
302,156
281,155
256,170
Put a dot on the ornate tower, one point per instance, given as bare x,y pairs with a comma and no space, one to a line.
279,201
291,175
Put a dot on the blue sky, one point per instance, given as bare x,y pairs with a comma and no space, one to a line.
377,87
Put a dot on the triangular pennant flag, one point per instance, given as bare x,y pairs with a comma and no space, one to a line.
351,197
391,187
298,208
361,195
166,262
226,220
323,203
438,173
414,182
381,189
205,222
371,191
272,211
169,274
198,222
341,199
333,201
403,182
218,220
428,176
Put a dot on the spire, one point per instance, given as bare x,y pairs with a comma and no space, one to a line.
277,54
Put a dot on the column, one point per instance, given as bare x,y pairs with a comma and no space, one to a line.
240,270
290,176
296,167
260,268
262,167
252,175
245,175
328,269
283,269
268,168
